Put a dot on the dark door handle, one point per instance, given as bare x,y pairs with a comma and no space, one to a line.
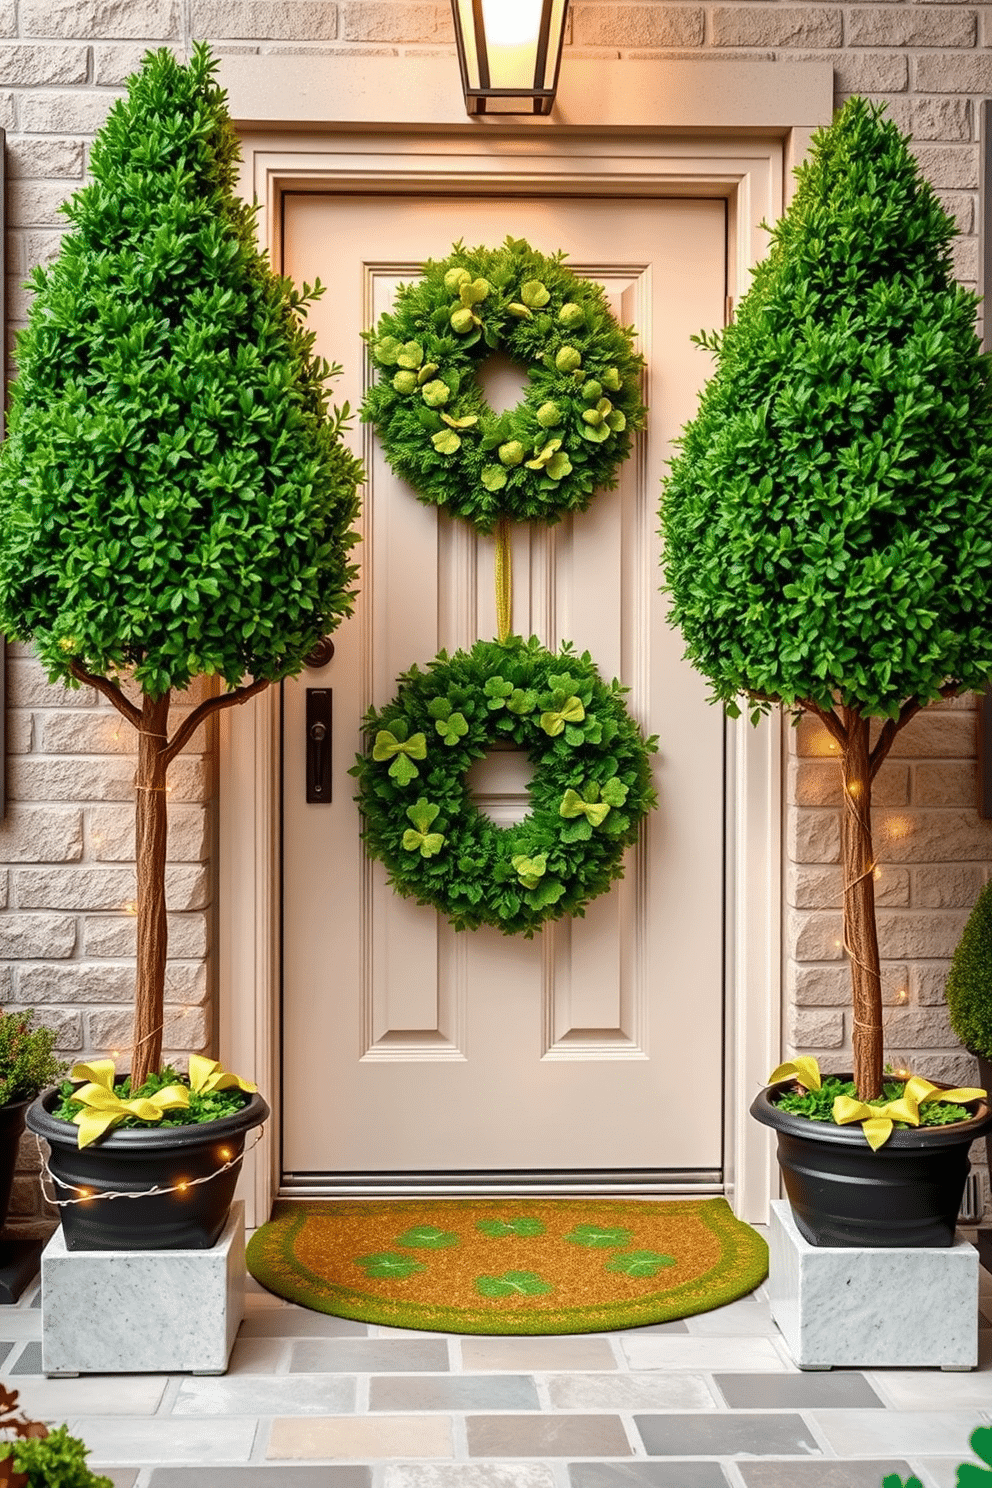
318,744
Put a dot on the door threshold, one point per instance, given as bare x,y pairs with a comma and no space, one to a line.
680,1183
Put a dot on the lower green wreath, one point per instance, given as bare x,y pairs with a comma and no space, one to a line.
590,791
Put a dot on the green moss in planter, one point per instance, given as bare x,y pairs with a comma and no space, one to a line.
969,983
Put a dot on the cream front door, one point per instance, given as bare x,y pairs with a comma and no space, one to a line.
592,1053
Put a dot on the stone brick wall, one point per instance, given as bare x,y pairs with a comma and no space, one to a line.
65,935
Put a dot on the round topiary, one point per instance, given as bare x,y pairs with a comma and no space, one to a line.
969,982
591,788
567,436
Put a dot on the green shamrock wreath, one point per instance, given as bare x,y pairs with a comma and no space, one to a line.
591,787
570,433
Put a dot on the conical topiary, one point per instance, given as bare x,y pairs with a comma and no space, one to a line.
175,496
969,981
828,519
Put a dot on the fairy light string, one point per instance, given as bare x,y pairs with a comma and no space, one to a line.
156,1191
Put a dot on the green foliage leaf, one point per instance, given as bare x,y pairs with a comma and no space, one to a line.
513,1284
428,1237
598,1237
523,1227
57,1460
827,516
386,1264
545,318
176,496
640,1263
501,691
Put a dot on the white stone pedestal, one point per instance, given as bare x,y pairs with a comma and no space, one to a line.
127,1311
872,1309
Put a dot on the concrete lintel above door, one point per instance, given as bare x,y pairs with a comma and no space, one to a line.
322,92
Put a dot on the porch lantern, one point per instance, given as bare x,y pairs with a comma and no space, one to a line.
509,52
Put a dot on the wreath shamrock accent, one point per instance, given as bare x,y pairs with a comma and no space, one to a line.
570,432
591,787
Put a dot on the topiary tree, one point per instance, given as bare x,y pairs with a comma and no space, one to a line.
828,518
969,982
175,496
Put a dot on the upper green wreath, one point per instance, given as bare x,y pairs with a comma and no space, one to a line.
570,432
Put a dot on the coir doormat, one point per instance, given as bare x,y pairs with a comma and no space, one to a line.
508,1266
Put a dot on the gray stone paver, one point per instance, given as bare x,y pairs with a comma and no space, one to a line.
311,1401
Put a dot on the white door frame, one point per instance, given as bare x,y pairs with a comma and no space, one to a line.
365,124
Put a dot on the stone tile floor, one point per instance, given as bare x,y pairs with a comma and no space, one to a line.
312,1401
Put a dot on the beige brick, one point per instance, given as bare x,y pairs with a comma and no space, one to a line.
79,112
815,935
101,731
280,20
4,888
8,112
36,203
830,986
27,66
870,72
958,74
819,784
73,888
816,1030
20,732
68,1027
8,21
937,732
928,980
41,834
947,783
891,886
923,933
25,1197
955,166
813,887
910,26
184,1029
110,833
813,836
950,886
27,685
955,1068
152,20
41,248
789,26
935,836
628,26
114,64
87,982
394,20
941,119
6,984
96,779
26,937
113,935
961,206
812,739
964,260
43,159
911,1028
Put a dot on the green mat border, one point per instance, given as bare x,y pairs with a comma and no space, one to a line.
271,1262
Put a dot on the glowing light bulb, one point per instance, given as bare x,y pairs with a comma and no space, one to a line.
511,22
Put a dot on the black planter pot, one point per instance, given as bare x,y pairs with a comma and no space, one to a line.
136,1159
906,1194
11,1127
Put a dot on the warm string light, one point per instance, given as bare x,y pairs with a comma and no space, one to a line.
87,1196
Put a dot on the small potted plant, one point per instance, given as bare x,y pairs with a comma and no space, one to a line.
34,1457
827,527
27,1065
176,502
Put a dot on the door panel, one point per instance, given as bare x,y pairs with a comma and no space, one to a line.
476,1052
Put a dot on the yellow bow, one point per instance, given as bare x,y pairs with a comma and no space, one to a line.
803,1068
878,1120
104,1108
209,1074
572,804
387,744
